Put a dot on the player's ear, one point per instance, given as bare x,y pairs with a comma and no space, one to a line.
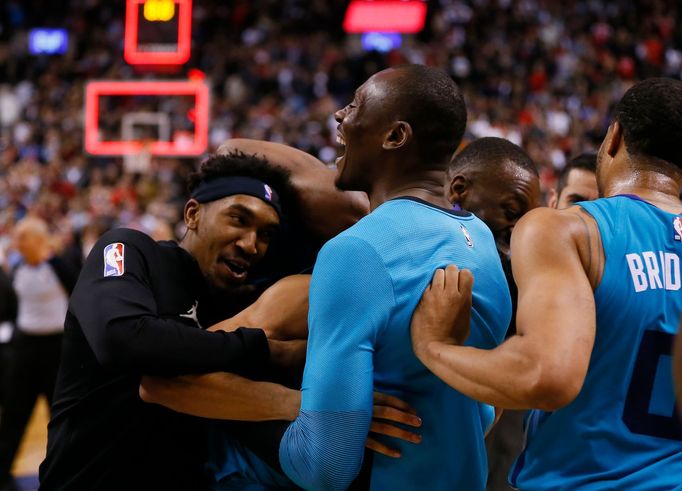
398,136
192,212
614,137
459,189
553,199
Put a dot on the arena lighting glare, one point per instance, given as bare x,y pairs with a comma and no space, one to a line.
385,16
155,51
382,42
158,10
195,145
47,41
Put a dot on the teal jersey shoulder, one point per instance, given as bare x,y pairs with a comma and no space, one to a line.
622,431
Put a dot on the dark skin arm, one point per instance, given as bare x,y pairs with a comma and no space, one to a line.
231,397
222,396
282,312
314,185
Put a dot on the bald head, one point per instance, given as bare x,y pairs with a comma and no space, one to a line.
32,225
431,103
488,155
498,182
32,239
401,124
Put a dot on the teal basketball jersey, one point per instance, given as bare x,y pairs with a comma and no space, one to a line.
622,432
366,284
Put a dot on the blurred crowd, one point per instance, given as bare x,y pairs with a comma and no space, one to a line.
542,74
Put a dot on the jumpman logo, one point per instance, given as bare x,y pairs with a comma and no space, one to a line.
192,313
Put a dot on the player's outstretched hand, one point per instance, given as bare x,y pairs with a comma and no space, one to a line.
444,312
387,410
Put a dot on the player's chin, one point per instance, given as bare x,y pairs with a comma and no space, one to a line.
226,280
344,180
341,184
339,181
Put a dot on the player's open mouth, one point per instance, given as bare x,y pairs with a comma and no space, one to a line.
236,269
341,141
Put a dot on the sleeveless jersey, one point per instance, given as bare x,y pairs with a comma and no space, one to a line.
622,431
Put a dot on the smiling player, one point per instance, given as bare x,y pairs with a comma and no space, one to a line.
400,132
137,309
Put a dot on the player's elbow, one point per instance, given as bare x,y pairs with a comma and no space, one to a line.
114,348
328,477
124,344
554,389
333,481
324,469
324,451
150,390
105,349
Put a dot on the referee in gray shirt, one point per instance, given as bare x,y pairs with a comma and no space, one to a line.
42,283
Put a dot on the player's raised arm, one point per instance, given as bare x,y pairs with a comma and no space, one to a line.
544,365
314,185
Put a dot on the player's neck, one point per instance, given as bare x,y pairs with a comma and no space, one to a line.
188,243
657,189
427,185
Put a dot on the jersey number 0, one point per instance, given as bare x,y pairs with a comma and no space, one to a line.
650,407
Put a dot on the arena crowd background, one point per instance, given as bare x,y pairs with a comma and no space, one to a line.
543,74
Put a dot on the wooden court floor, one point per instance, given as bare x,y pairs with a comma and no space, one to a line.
33,446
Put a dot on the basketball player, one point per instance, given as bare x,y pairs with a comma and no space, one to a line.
360,308
577,182
322,211
282,313
599,307
399,132
137,309
498,182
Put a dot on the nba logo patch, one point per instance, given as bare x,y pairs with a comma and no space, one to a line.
467,237
268,192
113,260
677,226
